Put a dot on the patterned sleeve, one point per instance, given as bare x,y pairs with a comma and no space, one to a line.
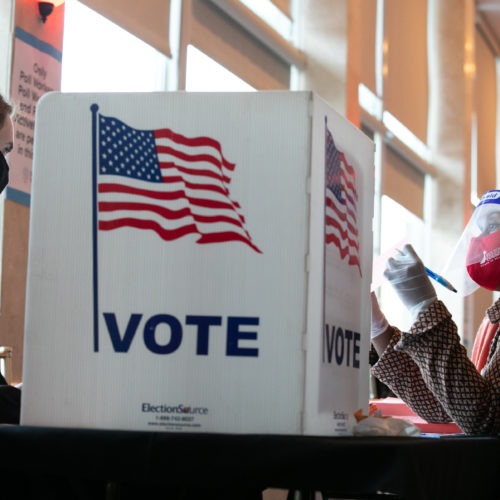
401,374
429,369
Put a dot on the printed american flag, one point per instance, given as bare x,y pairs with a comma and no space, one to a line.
162,181
341,203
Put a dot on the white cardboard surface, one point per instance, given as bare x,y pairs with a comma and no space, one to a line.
128,330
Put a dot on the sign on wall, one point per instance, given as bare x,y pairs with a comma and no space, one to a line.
36,69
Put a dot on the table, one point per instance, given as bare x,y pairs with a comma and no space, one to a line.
127,464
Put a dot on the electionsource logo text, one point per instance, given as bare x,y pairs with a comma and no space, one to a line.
185,410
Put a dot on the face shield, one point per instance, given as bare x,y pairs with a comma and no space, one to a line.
475,260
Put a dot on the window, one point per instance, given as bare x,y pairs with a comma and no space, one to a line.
484,173
205,74
239,40
393,96
110,59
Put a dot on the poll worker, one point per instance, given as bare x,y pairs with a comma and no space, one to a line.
428,367
10,396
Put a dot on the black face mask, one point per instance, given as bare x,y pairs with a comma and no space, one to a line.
4,172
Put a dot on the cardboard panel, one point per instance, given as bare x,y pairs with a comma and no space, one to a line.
338,322
167,278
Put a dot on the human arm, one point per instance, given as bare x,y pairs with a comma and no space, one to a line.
450,379
407,275
428,367
398,371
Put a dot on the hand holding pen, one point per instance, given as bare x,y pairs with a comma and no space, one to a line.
408,276
442,281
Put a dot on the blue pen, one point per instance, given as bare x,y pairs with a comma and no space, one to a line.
440,279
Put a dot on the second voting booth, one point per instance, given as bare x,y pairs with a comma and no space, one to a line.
198,262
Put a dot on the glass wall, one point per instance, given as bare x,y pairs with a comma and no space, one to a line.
110,60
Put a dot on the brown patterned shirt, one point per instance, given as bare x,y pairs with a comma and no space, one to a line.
428,368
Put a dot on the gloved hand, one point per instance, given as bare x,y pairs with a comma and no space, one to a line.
406,274
379,322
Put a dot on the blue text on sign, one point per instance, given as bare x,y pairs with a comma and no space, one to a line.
235,334
341,345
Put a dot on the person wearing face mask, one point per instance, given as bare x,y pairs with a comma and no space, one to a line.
428,367
10,396
6,141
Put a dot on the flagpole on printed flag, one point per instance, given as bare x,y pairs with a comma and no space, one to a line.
95,276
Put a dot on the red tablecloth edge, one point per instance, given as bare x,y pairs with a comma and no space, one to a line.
394,407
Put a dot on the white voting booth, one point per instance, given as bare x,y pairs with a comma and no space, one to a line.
198,262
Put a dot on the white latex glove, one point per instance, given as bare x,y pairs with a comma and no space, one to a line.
406,274
379,322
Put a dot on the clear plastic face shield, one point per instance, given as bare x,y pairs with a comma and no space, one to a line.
475,262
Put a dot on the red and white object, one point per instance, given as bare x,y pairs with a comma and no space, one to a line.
198,262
